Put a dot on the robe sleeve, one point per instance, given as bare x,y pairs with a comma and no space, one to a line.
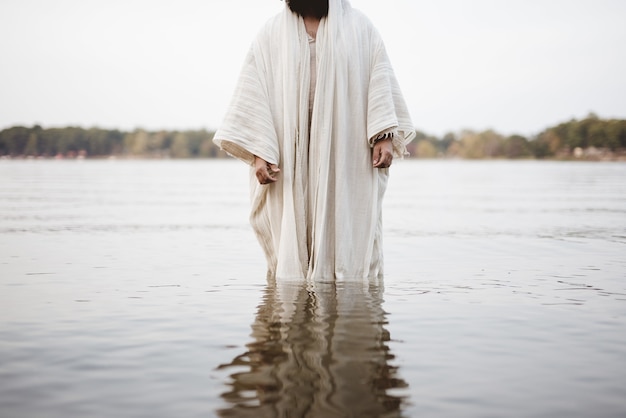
386,108
248,128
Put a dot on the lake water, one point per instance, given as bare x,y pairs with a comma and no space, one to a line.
137,289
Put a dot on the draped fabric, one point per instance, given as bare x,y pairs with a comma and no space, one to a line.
322,218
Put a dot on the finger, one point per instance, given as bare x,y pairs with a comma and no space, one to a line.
388,159
382,161
271,172
273,168
376,157
385,160
264,177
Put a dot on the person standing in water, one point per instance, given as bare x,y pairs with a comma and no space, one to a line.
318,115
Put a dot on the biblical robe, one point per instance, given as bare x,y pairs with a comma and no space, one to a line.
322,219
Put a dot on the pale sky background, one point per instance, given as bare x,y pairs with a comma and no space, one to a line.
516,66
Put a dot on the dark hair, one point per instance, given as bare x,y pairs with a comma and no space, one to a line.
313,8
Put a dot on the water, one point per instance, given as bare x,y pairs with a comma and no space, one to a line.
136,289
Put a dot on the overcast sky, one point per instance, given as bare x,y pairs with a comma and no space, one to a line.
516,66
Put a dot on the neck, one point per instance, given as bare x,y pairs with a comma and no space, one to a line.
311,23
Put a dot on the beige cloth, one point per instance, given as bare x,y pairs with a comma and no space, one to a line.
322,219
313,82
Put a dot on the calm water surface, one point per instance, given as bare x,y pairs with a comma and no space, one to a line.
137,289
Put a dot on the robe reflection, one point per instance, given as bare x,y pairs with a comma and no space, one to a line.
319,350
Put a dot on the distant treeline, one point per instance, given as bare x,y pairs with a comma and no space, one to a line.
590,138
97,143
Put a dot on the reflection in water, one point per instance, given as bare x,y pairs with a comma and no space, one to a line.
319,350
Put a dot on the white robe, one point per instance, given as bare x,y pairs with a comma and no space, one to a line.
322,219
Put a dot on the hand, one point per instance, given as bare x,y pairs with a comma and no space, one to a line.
383,153
266,173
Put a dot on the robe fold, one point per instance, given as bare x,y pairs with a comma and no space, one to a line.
322,219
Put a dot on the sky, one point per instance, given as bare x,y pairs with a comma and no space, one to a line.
515,66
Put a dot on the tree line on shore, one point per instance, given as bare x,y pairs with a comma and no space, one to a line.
588,138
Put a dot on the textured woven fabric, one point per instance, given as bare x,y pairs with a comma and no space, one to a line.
322,219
